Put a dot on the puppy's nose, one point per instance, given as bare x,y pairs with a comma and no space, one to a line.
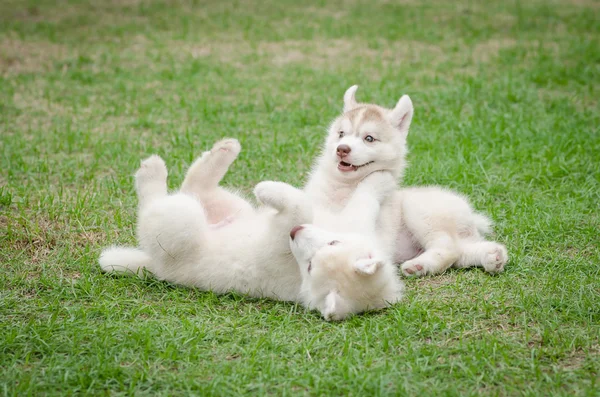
343,150
295,230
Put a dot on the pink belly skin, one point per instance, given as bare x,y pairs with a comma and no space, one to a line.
406,247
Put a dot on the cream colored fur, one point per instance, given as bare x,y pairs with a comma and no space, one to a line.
207,237
427,229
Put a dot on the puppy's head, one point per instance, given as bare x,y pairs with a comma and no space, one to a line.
342,274
368,138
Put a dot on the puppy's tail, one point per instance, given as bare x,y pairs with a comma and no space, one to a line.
124,260
482,223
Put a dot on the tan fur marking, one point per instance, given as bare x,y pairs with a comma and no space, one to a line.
354,115
371,113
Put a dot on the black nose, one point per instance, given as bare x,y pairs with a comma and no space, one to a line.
295,230
343,150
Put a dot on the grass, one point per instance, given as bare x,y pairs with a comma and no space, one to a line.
506,97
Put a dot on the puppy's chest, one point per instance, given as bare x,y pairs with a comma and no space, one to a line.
336,199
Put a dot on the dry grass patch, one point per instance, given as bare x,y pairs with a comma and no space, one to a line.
324,54
19,57
489,50
580,102
577,358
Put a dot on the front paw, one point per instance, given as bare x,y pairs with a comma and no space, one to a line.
270,193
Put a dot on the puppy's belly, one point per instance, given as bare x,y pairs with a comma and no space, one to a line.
406,247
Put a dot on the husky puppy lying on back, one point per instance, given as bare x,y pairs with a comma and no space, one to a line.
207,237
428,229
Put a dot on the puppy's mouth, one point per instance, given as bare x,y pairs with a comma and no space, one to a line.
347,167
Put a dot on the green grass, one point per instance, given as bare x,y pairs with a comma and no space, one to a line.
506,98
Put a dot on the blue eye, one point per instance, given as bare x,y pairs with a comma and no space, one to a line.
369,138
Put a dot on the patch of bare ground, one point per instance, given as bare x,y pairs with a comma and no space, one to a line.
594,4
335,53
437,282
324,54
581,102
336,13
19,57
490,49
61,10
35,238
577,358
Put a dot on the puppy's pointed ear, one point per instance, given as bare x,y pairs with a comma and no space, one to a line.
368,267
350,98
401,115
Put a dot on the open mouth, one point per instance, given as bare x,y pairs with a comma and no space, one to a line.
347,167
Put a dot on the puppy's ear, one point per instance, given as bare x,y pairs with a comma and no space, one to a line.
401,115
367,267
350,98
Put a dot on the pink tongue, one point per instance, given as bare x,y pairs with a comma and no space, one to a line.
345,167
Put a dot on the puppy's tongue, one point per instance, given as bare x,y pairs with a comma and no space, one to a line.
346,167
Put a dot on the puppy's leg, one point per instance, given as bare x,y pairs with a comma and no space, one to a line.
490,255
206,172
151,180
289,201
362,210
441,251
172,231
202,181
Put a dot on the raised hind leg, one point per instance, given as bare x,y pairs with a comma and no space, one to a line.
151,180
207,171
203,178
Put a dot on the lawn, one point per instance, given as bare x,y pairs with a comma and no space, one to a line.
506,112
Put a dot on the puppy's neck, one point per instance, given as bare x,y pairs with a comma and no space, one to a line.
327,186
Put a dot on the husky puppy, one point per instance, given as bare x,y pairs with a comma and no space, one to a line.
207,237
427,229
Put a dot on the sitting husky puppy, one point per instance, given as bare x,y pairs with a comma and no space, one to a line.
428,229
207,237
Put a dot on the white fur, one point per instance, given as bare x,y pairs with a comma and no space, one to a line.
428,229
207,237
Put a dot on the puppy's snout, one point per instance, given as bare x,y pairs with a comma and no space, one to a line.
295,230
343,150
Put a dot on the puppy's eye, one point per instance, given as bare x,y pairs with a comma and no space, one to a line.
341,134
334,242
369,138
309,266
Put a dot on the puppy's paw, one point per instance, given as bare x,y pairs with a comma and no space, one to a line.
219,157
152,169
414,268
229,145
270,193
494,258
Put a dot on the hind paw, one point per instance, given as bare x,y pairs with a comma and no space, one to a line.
495,258
413,269
152,168
222,154
228,145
